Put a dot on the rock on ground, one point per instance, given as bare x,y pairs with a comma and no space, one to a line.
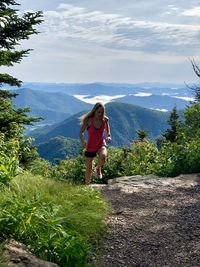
17,255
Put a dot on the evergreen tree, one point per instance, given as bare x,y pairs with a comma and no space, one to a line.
142,134
13,29
171,134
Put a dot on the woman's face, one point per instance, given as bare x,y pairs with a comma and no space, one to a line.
99,113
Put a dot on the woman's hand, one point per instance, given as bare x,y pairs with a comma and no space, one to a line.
109,139
83,144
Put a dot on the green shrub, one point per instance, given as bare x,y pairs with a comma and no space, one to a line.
60,222
178,157
9,162
39,166
71,169
166,160
192,156
114,166
39,225
27,152
140,158
192,119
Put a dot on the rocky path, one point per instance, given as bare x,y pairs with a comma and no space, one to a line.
155,222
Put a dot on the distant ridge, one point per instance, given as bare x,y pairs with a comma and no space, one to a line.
104,88
154,101
54,106
164,96
125,119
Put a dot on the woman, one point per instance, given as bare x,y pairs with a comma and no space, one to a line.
95,122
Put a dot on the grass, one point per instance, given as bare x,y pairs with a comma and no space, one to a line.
59,221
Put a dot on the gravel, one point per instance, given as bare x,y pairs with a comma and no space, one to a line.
153,225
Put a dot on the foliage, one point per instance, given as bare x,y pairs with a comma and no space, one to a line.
179,157
39,166
192,119
12,120
27,152
192,157
13,29
140,158
71,170
171,134
114,166
9,162
167,160
58,221
142,134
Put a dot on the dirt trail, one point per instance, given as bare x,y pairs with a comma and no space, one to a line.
155,222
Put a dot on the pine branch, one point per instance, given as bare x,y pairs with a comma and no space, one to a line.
8,79
195,67
14,29
4,4
4,94
7,58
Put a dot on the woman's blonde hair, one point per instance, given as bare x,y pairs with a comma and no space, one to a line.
90,114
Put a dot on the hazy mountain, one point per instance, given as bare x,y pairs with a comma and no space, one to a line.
154,101
110,88
124,119
67,128
148,95
59,148
54,107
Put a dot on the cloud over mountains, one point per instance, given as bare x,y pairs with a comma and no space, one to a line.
117,31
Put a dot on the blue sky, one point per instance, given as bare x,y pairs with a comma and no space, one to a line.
126,41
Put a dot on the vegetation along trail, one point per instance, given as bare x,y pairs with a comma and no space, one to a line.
155,222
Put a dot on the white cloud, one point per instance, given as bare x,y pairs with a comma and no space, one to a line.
120,32
112,41
162,109
142,94
194,12
70,9
185,98
101,98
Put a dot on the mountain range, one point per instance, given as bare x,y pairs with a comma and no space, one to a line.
53,107
56,102
125,120
129,108
159,102
107,88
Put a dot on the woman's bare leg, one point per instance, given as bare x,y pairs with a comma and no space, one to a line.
88,173
102,156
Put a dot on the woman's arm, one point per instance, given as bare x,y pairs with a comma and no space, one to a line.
81,135
107,128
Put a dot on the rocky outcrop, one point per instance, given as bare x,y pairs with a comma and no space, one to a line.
18,255
132,183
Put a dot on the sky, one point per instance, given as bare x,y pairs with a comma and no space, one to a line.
120,41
